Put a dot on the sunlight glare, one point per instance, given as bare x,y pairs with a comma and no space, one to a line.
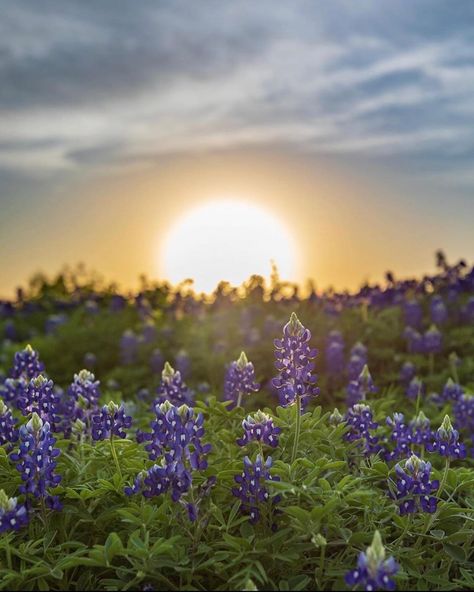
226,240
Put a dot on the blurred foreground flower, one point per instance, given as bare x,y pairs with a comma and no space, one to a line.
374,571
12,514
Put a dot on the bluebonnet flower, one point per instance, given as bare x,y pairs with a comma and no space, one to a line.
373,571
467,311
53,322
400,436
407,372
414,487
357,361
359,420
183,363
421,433
149,332
12,389
41,398
463,410
128,347
36,461
117,303
156,361
451,391
176,433
415,388
439,312
90,360
335,353
91,307
110,421
26,364
8,429
160,478
446,441
81,400
432,340
414,340
10,332
84,391
251,487
259,427
13,515
176,439
172,388
357,390
295,380
239,381
413,313
407,436
336,418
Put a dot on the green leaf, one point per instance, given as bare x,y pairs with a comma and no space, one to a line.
112,547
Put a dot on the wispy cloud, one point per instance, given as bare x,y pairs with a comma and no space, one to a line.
86,85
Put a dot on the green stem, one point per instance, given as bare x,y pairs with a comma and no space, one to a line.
431,362
297,429
454,370
418,401
9,554
239,399
398,541
321,562
114,454
445,476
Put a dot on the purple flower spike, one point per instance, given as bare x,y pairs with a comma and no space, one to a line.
41,398
175,439
177,432
251,487
8,429
173,389
335,353
432,340
359,420
111,420
464,413
373,571
36,461
407,372
27,364
451,391
294,364
13,515
415,388
357,390
446,441
357,361
420,430
414,488
239,381
12,389
259,427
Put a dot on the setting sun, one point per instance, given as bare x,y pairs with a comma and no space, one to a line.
227,240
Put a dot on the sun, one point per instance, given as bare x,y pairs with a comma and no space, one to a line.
226,240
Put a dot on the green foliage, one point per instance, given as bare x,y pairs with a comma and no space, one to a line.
332,500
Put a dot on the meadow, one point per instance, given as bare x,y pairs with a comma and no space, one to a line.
260,439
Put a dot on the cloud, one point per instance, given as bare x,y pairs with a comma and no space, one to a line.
85,85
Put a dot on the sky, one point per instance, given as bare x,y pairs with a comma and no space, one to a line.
351,122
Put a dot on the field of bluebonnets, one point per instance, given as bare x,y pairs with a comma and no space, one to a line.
142,449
